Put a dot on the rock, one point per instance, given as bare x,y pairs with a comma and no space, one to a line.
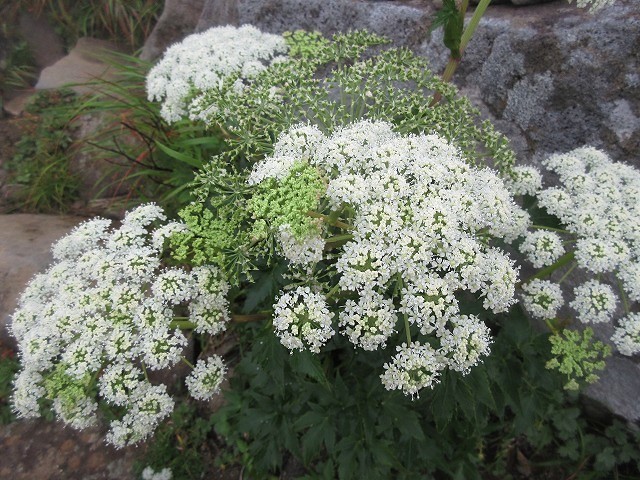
84,63
217,13
554,77
25,242
405,24
617,390
178,19
45,44
16,105
42,450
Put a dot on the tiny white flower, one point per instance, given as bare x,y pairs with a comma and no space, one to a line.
302,320
524,180
207,376
594,302
369,322
542,247
542,298
627,335
466,342
413,368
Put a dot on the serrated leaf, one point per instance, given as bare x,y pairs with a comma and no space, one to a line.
307,363
478,382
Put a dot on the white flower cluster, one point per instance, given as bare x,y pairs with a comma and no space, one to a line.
594,302
305,252
523,180
422,221
205,62
598,201
594,5
100,315
150,474
205,379
542,247
542,298
627,335
302,319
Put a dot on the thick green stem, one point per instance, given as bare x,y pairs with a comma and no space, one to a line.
177,322
562,261
339,238
473,24
464,40
551,326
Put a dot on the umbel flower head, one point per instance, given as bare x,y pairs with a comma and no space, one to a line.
598,203
216,59
420,223
102,314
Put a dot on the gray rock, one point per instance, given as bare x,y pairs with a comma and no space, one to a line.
555,77
405,24
86,62
617,390
25,242
45,44
17,104
218,13
178,19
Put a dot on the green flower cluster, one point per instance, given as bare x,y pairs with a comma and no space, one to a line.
288,202
577,356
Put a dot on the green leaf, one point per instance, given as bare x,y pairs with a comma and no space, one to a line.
408,423
179,156
308,363
478,382
605,460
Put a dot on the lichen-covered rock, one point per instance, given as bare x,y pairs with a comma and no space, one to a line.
178,19
555,77
405,24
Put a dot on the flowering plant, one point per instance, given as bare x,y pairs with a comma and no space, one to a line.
103,315
347,201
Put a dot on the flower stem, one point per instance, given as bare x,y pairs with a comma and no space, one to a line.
182,323
566,274
562,261
551,326
623,296
186,361
464,40
406,329
339,238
